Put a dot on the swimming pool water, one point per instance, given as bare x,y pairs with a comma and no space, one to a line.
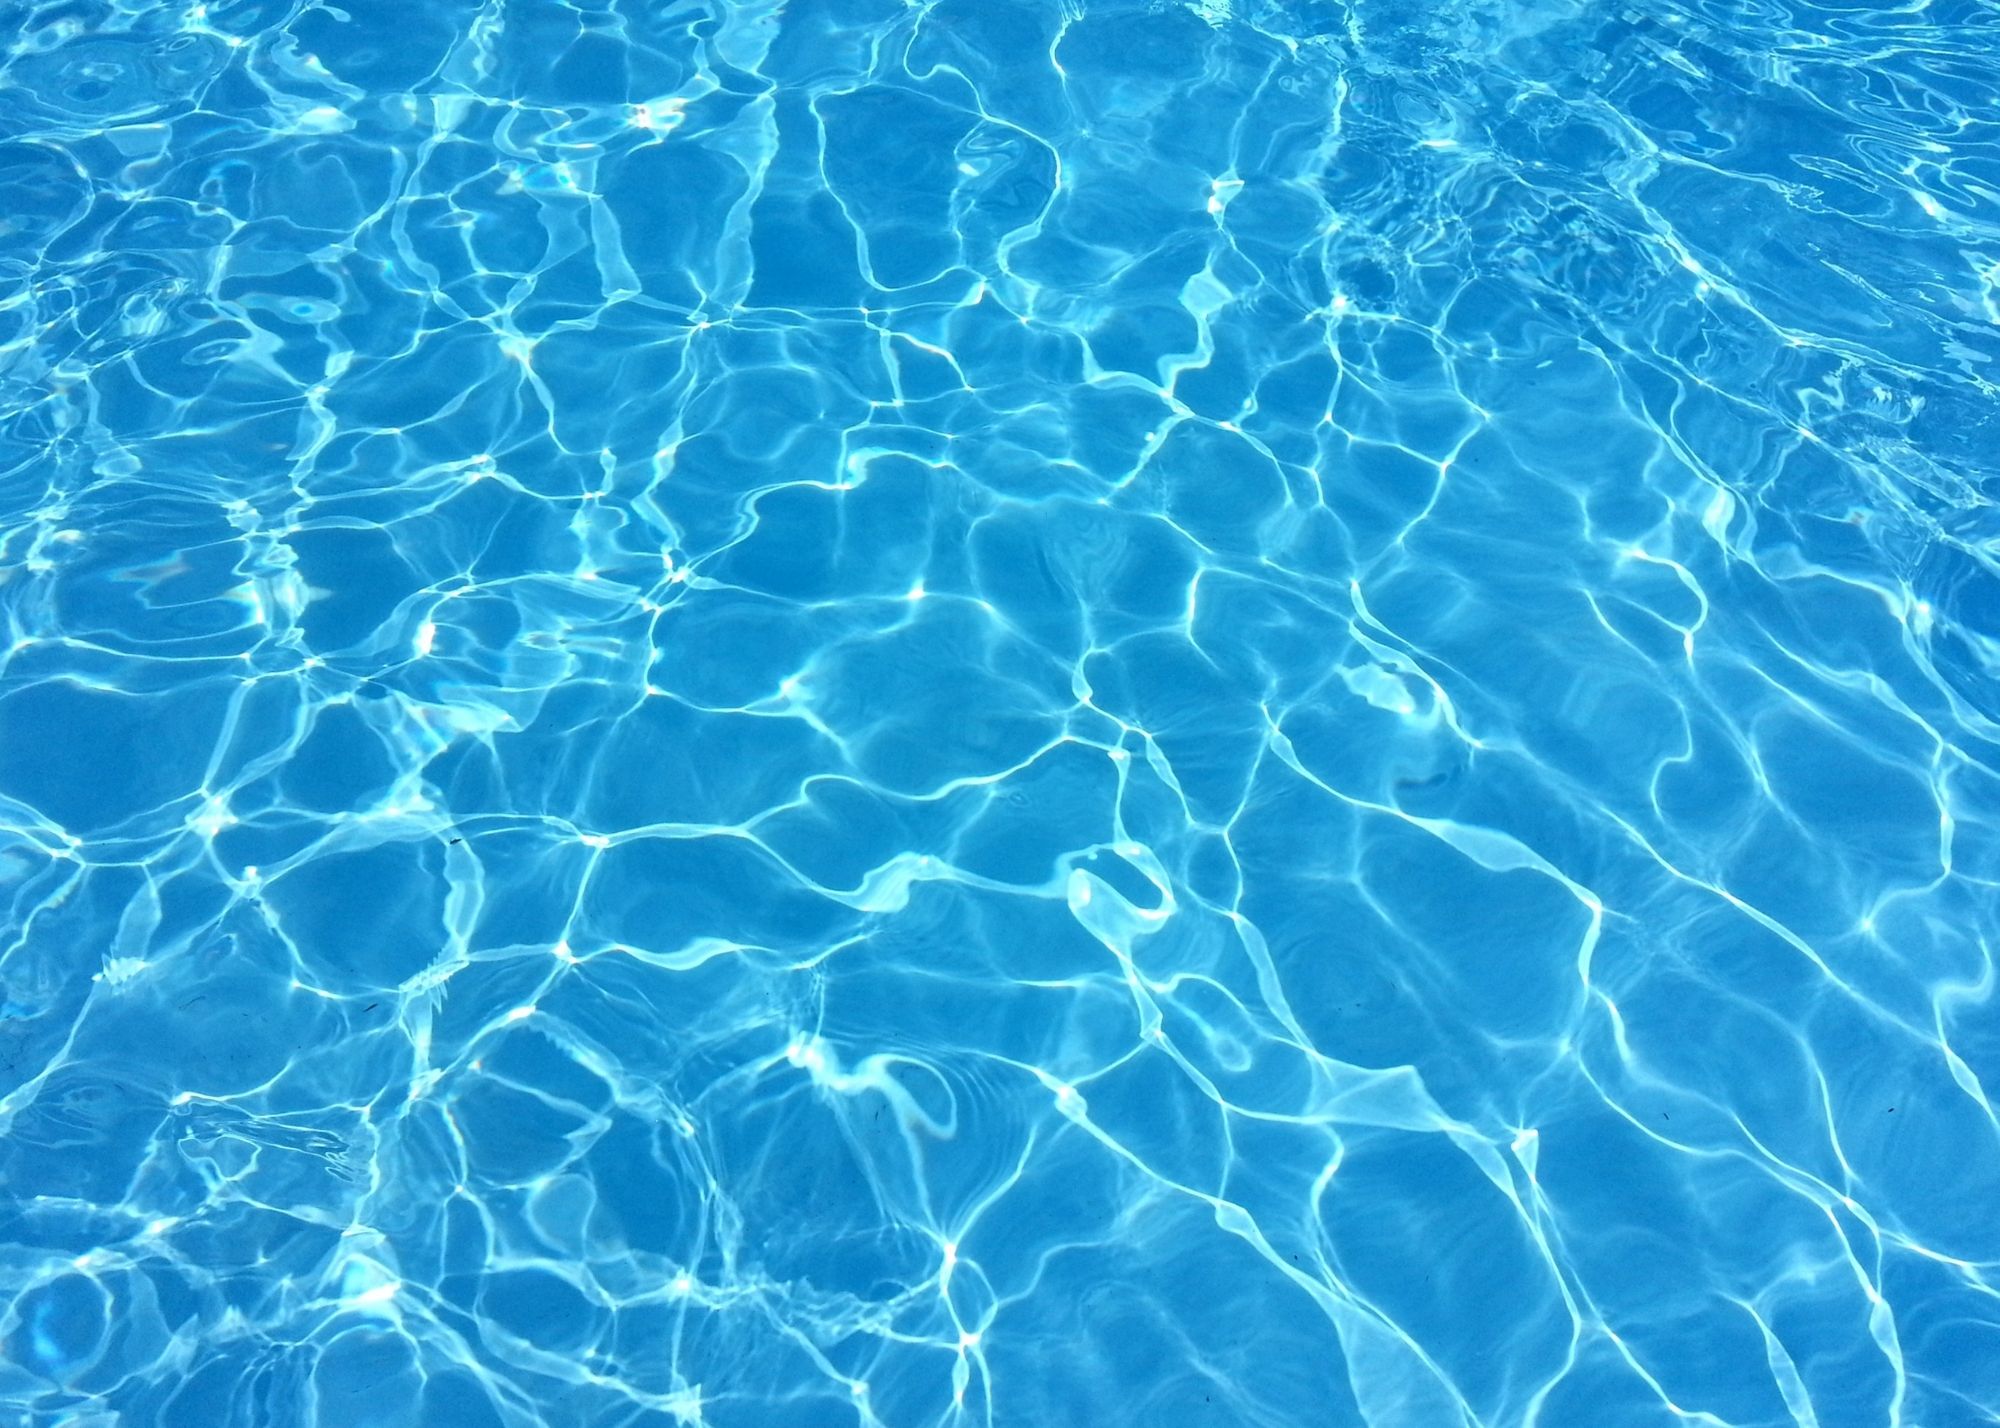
775,713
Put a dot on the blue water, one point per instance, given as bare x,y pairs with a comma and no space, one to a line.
772,713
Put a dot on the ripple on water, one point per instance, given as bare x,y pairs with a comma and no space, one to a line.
114,79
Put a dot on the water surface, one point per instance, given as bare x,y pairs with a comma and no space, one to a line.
999,712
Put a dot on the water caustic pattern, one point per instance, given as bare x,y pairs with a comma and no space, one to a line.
854,712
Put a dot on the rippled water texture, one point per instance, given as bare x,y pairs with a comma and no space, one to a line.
1005,712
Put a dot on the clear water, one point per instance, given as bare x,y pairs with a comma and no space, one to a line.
813,712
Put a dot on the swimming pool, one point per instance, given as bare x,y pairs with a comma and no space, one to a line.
1017,712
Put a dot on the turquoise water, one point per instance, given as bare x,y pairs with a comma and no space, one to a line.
1004,712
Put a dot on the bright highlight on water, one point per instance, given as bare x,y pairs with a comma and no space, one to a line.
1123,713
